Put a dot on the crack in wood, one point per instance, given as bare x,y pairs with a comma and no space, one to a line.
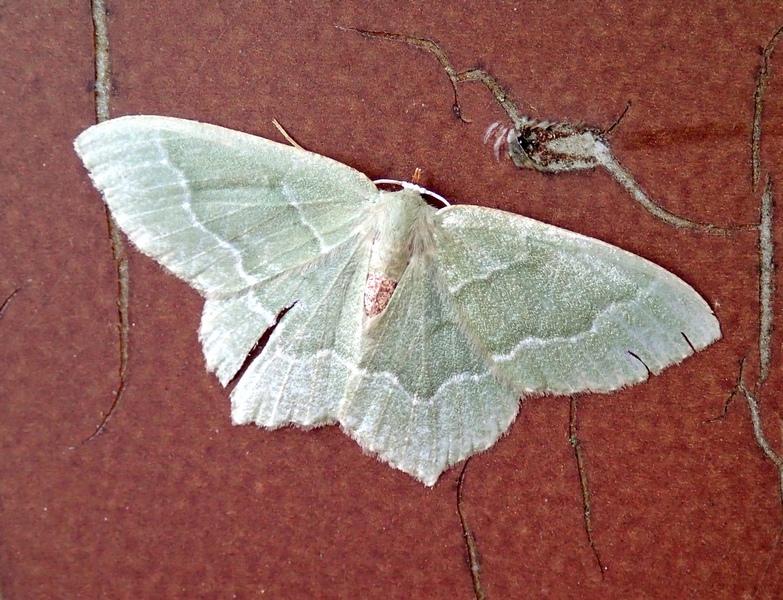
467,535
102,106
587,511
537,131
766,288
7,301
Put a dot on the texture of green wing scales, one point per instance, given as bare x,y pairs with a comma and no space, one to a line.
221,209
301,375
563,313
424,396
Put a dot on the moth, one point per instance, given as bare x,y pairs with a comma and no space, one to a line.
416,329
548,146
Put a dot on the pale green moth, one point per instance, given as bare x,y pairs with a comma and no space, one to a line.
416,329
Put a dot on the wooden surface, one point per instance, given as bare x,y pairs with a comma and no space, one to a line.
172,501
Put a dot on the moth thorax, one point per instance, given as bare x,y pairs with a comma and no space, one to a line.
403,227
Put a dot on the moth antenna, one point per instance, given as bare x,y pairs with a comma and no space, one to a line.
500,134
614,125
490,130
284,133
415,187
503,139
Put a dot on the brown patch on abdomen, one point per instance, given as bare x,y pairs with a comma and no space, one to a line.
377,292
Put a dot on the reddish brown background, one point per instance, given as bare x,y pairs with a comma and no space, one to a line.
172,501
